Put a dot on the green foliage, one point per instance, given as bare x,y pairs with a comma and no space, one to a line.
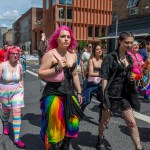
82,44
103,41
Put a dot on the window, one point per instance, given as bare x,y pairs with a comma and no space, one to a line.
103,31
69,2
133,11
90,31
69,13
53,2
47,4
132,3
96,31
61,13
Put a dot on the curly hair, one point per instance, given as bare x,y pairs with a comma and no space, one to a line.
52,43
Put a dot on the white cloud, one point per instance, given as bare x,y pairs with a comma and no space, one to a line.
8,26
3,25
10,15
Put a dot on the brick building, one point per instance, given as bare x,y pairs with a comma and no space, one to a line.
131,15
130,9
23,27
89,19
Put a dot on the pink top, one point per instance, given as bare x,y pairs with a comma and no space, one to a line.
137,62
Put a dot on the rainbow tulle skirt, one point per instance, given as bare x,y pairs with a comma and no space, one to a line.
54,123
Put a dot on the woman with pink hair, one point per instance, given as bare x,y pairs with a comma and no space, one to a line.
60,105
12,92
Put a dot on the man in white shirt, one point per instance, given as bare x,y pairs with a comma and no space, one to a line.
84,60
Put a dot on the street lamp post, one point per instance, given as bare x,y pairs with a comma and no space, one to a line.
115,17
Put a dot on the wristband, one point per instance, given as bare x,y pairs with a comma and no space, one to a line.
79,93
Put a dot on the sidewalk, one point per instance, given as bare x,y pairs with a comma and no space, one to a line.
31,57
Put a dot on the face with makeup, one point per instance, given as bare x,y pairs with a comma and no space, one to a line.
64,39
13,53
98,51
14,56
126,43
135,47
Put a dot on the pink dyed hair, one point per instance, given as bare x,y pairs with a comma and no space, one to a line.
12,49
52,43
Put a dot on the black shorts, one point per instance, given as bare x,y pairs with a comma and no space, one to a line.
118,105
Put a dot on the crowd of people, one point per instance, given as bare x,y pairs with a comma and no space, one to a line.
115,81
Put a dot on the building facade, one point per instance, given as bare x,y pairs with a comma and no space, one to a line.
129,15
130,9
2,31
89,19
23,27
8,37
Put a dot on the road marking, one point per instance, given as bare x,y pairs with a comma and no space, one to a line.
142,117
30,72
136,114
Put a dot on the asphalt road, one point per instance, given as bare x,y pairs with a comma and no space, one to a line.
117,135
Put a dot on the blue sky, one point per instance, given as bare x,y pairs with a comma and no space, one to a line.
11,10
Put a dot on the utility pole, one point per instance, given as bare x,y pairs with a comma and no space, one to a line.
115,17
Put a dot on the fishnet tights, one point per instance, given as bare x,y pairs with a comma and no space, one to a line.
130,122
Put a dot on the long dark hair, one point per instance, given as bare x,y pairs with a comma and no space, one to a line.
123,36
93,52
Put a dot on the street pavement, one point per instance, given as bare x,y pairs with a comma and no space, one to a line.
117,136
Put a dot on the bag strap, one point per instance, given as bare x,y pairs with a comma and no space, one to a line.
56,55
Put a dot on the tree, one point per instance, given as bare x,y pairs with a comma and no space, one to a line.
103,41
82,44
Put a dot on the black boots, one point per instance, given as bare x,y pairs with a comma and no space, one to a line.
100,144
57,146
66,143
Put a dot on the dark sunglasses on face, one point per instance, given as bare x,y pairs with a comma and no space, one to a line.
90,47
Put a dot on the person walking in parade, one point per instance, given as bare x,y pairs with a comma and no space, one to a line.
41,51
93,85
60,105
118,87
138,63
23,62
3,52
12,92
84,60
145,52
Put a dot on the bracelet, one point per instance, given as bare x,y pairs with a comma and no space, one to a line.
79,93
